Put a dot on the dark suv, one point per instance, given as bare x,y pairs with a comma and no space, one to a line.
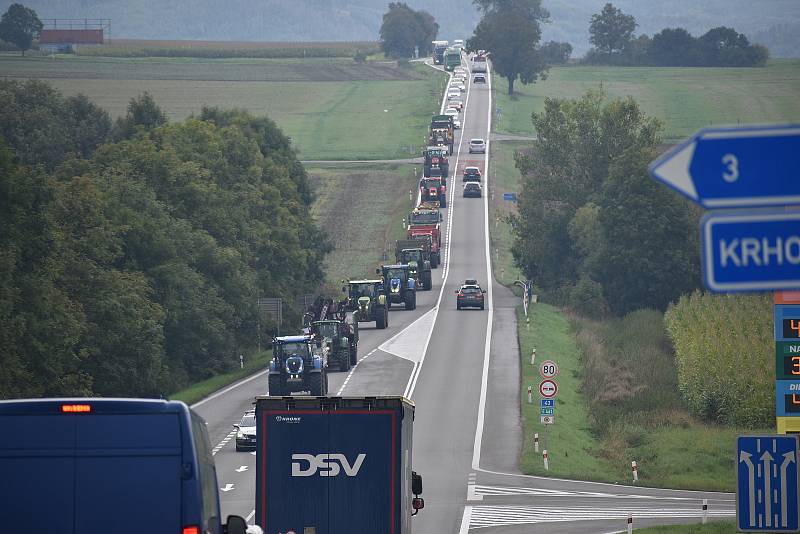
472,189
470,296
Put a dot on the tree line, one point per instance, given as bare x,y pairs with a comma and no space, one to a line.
593,230
133,252
612,34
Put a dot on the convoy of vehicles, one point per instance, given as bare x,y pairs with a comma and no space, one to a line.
367,300
433,189
442,132
298,363
336,465
94,466
340,340
424,222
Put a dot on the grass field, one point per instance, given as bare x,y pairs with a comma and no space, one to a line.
361,207
685,99
332,108
200,390
505,178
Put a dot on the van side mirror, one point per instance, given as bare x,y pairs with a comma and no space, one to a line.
440,217
417,503
416,483
236,427
377,271
235,525
344,289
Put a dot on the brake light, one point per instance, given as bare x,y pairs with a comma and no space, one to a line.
76,408
480,296
194,529
460,293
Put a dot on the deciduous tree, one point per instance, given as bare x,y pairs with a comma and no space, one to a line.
510,31
611,30
403,29
19,26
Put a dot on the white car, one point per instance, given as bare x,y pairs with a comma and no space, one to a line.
460,86
477,146
456,123
458,104
246,431
452,112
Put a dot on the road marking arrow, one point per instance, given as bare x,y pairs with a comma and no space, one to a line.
242,469
253,453
227,487
788,458
751,482
766,459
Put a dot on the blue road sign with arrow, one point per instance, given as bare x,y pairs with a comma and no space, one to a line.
735,167
767,492
751,251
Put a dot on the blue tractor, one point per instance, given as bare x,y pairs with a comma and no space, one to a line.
297,365
399,286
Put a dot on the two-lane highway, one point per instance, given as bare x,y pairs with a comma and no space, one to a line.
461,369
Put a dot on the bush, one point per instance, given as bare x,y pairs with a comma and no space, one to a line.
360,57
725,353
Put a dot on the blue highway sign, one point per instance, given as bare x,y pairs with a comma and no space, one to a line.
787,398
767,492
735,167
751,251
547,403
510,196
547,411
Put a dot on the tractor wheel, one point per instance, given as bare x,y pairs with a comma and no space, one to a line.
443,201
276,385
411,300
427,283
353,354
316,384
434,260
382,319
344,361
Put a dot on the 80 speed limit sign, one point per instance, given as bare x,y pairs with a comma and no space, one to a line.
548,369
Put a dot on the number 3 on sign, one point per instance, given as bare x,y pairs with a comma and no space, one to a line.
731,163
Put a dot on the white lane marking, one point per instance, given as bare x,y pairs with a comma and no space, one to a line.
493,491
353,370
412,380
241,469
484,516
476,450
250,515
405,344
222,443
227,487
466,518
229,388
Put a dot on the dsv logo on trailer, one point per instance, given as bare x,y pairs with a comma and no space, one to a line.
327,465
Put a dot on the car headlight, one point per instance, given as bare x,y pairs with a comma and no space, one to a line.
239,435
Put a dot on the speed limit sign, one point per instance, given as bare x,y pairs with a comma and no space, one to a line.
548,369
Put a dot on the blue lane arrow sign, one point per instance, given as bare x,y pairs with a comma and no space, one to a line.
751,251
735,167
766,489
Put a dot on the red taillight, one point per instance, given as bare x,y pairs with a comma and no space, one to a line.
460,294
480,296
194,529
76,408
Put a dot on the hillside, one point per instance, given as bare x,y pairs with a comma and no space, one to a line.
358,20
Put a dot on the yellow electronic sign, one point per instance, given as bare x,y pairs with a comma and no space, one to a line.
788,425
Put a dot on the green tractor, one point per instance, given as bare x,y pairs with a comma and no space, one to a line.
340,338
416,253
367,300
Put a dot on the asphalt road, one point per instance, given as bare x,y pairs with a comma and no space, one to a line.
461,369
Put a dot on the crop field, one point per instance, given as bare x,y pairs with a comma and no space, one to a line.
181,48
361,207
685,99
331,108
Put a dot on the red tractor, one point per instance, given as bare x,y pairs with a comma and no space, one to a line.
433,189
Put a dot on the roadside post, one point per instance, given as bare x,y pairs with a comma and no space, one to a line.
630,523
533,357
705,511
635,470
546,463
241,361
530,394
536,442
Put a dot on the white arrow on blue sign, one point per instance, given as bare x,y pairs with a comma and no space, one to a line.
735,167
751,251
767,497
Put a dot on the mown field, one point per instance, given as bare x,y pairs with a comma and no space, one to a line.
685,99
332,108
361,207
181,48
713,527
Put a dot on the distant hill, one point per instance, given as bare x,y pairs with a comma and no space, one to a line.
769,21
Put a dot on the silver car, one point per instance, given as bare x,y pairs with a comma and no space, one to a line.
477,146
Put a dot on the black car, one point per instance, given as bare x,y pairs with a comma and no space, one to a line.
472,189
479,78
470,297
